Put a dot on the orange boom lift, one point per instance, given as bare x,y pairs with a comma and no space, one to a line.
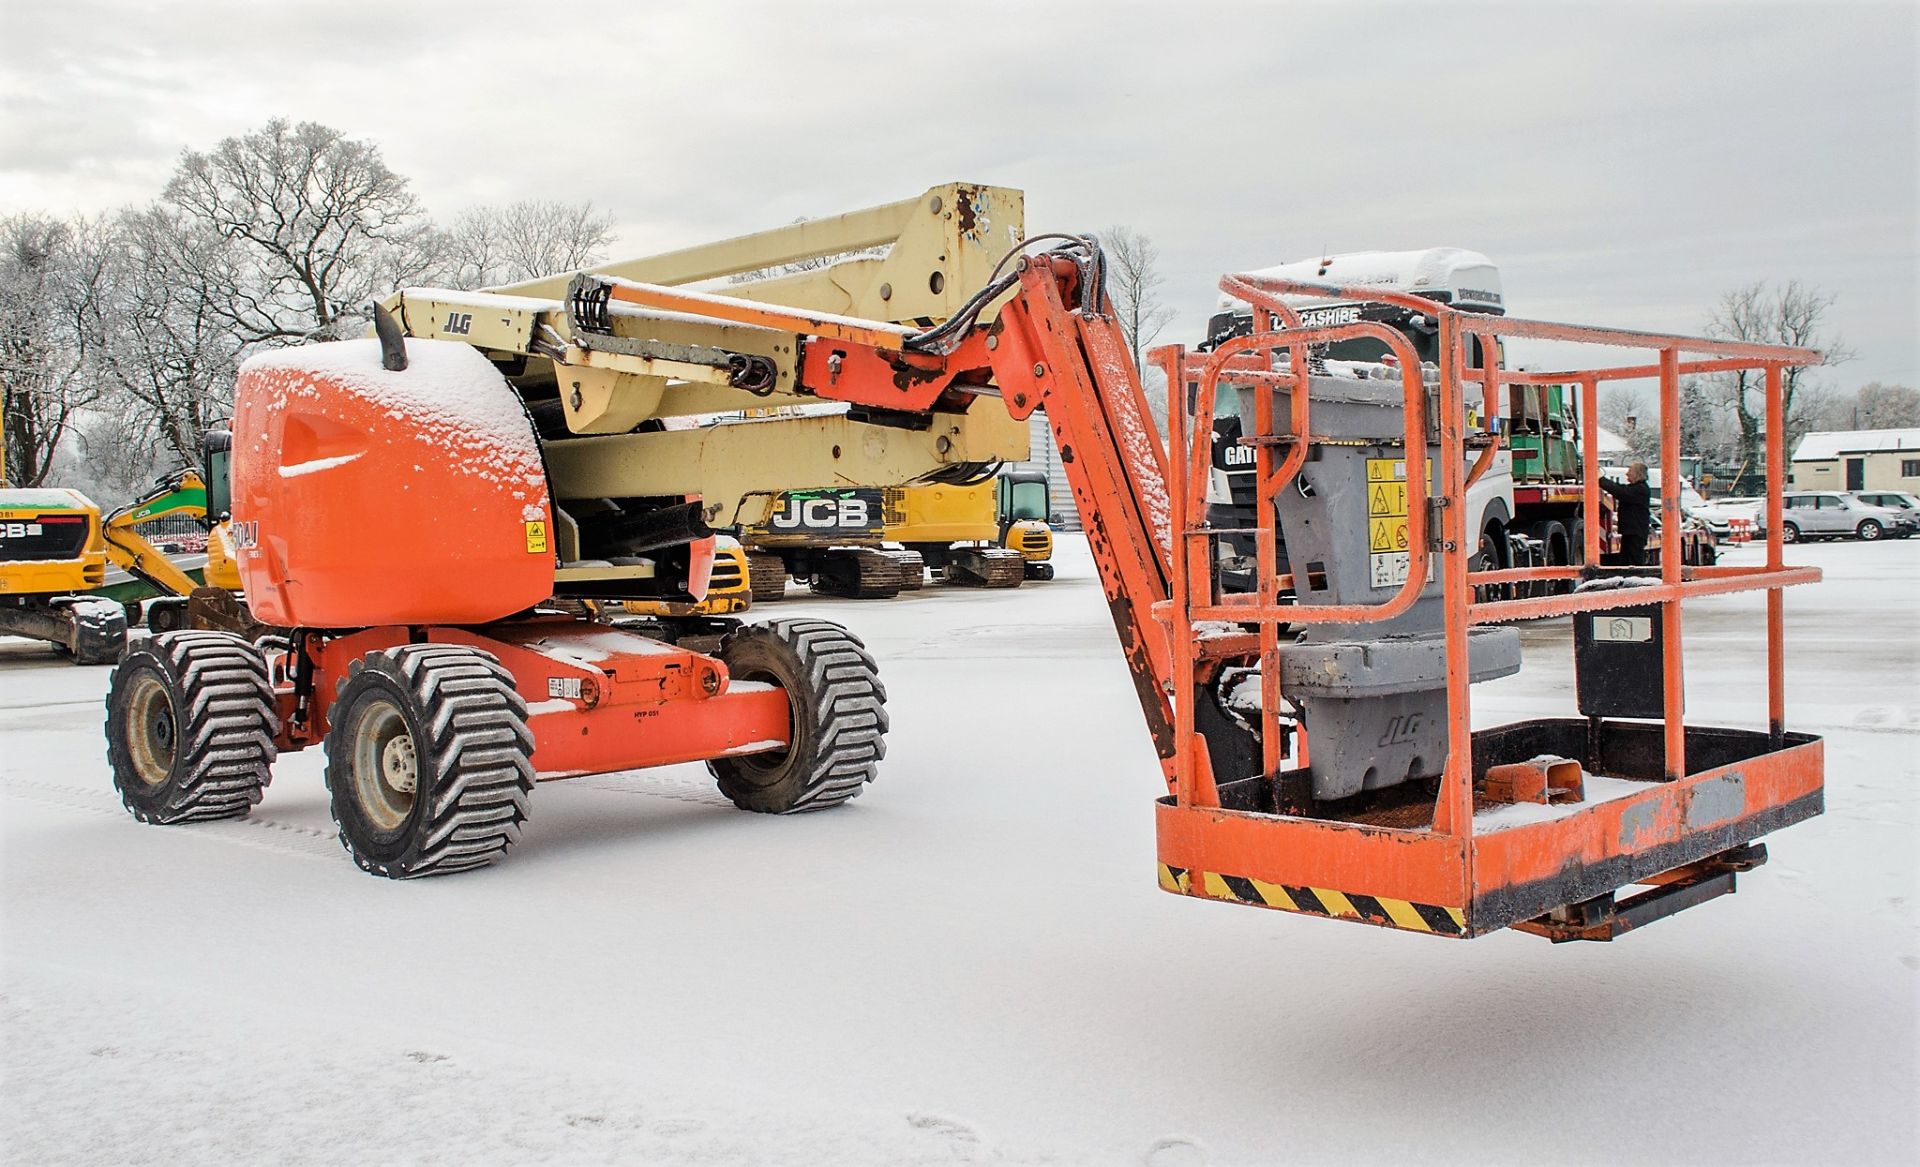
443,697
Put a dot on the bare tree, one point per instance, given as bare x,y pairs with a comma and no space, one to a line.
324,222
43,377
1628,411
488,246
1874,406
154,294
1795,314
1133,277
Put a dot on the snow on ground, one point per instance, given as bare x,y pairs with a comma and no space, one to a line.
970,964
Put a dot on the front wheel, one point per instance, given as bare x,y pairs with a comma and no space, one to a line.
429,760
1868,530
839,718
1789,533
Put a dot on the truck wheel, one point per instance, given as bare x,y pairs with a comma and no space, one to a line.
1558,546
99,632
1868,530
1041,571
1487,558
1789,533
429,760
839,717
190,727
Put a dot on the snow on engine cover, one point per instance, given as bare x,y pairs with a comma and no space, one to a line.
358,492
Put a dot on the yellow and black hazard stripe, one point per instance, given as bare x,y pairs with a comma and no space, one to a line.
1316,901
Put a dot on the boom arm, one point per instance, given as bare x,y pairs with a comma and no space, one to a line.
1054,345
182,494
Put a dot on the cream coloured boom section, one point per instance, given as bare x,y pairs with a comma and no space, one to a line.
941,248
740,467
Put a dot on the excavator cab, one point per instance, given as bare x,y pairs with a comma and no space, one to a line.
216,463
1022,506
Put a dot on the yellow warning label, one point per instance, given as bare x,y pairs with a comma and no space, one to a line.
536,538
1386,469
1387,534
1386,498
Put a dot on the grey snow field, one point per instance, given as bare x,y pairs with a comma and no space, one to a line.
969,964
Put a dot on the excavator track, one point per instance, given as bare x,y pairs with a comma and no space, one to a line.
862,574
766,577
913,569
987,567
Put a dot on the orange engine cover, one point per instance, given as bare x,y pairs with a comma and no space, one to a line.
365,497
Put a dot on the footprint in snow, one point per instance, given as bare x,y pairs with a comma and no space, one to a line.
424,1057
1176,1151
957,1131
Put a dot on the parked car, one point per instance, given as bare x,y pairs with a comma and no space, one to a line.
1823,514
1714,516
1893,500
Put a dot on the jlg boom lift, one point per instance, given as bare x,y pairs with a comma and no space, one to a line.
1353,789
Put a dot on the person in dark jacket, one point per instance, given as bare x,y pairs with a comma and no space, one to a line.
1632,515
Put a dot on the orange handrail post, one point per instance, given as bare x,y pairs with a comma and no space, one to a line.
1776,598
1670,547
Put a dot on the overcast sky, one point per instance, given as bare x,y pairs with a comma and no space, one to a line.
1623,164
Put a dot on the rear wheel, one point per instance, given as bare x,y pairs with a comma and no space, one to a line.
1868,530
839,720
429,760
190,727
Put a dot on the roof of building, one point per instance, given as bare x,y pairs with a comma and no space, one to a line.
1822,446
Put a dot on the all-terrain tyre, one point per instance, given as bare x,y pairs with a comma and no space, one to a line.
99,632
839,717
429,760
1789,533
1868,530
190,727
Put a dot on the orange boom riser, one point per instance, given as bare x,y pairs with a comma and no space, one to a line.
339,460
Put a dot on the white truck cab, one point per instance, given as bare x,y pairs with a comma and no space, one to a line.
1453,276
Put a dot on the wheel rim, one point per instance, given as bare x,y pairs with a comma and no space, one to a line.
1789,534
152,730
764,769
1869,531
386,768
